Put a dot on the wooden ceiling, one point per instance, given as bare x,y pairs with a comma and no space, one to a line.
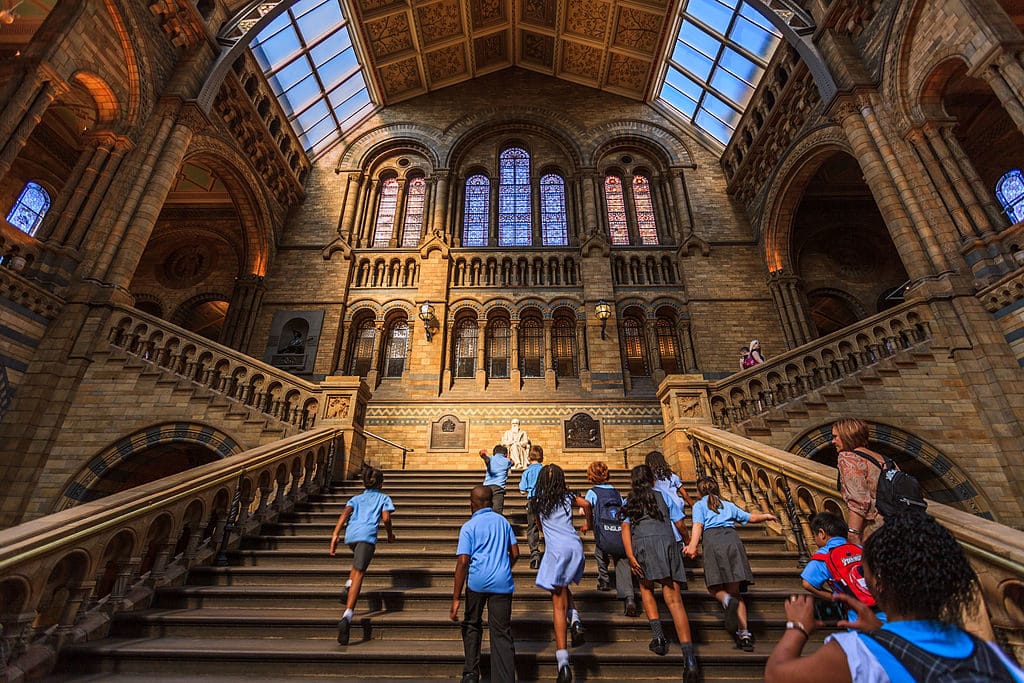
416,46
28,17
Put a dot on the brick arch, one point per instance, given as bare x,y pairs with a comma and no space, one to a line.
180,315
138,63
250,202
517,122
83,486
658,141
927,102
380,140
108,108
955,487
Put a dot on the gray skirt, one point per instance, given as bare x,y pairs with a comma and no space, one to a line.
660,558
725,559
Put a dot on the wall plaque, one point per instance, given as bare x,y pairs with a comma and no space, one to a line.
582,431
448,433
294,338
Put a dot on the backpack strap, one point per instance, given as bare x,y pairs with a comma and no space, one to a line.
982,664
871,459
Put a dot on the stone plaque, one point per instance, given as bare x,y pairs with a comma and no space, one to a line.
448,433
294,338
582,431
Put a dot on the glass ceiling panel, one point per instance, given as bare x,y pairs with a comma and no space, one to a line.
306,53
721,52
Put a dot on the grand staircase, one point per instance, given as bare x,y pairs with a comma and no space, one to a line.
272,613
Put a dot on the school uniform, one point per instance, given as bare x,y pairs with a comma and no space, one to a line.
563,550
654,544
495,477
527,484
361,532
816,572
623,573
670,487
486,539
725,558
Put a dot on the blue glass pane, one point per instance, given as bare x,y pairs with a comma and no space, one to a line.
740,66
713,126
720,109
747,11
734,89
273,27
28,211
318,130
280,47
554,227
712,13
300,97
699,39
514,214
351,106
684,84
684,104
1010,192
753,38
477,210
329,49
359,114
289,76
692,61
331,138
338,69
320,22
344,92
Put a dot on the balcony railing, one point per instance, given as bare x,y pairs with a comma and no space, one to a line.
498,269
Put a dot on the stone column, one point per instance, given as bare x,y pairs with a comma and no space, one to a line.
481,339
682,209
515,373
787,293
587,179
630,204
549,356
944,189
25,126
364,220
654,349
89,210
536,229
348,216
21,99
242,311
77,189
87,157
686,345
399,225
984,196
993,75
441,199
583,356
492,222
373,375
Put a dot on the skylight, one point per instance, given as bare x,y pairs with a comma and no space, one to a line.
308,58
720,53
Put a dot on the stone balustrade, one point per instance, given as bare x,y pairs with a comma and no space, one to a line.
15,288
765,479
399,270
63,576
645,268
238,377
810,367
499,269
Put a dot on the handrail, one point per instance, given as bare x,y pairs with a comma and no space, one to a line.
770,479
624,449
64,574
391,443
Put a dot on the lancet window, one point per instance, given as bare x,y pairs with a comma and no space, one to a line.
30,208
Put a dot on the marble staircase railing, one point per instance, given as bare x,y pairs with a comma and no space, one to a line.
766,479
63,576
832,358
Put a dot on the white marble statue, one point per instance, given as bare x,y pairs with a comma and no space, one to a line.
518,445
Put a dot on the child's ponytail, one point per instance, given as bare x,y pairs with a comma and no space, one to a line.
708,488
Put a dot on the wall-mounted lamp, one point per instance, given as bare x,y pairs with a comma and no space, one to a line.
429,321
603,311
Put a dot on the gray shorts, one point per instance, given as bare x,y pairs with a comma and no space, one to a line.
362,553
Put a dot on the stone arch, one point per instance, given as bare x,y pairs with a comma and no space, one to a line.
108,108
465,132
84,485
941,478
383,140
660,142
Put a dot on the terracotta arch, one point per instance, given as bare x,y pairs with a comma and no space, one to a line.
108,108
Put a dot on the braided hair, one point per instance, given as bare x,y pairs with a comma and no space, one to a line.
551,491
641,501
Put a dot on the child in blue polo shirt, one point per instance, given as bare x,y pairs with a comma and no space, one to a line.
486,552
527,484
363,513
498,466
830,531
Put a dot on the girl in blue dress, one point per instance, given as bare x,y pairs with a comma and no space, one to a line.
726,568
563,559
667,481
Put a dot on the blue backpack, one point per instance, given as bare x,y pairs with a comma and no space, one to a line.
608,521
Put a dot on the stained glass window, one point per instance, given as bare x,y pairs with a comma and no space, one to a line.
362,349
397,347
644,210
514,215
386,212
413,229
564,346
465,348
498,348
28,211
554,228
636,349
477,212
668,348
617,227
531,347
1009,192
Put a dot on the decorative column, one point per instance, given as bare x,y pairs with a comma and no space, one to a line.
787,293
88,212
686,345
399,224
587,179
481,339
536,238
78,188
242,311
43,98
630,205
492,223
681,215
348,216
996,80
515,374
941,183
948,142
583,355
549,356
657,369
373,376
437,221
959,176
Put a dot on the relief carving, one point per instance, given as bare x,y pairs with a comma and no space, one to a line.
638,30
628,73
446,62
389,35
337,407
439,21
581,60
690,406
588,18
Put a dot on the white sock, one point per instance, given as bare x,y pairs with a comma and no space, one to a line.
347,616
574,616
726,600
348,584
563,658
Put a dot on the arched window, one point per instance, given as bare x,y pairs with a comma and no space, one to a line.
668,346
644,206
362,348
636,349
563,343
477,213
1009,192
554,228
386,213
396,348
618,228
27,213
465,348
531,348
515,227
498,348
413,228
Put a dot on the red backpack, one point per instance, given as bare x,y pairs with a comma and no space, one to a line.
847,572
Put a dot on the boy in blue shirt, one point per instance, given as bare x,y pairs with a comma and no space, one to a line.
830,531
363,513
486,552
498,466
527,484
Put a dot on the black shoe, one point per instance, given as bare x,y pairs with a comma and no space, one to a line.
343,629
471,678
732,616
564,674
631,610
691,672
658,646
535,563
745,642
577,632
604,586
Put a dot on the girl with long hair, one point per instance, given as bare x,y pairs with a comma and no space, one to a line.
726,567
655,559
667,481
563,558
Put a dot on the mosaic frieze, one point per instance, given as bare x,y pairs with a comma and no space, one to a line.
537,49
439,21
446,63
638,30
587,18
389,35
628,73
581,60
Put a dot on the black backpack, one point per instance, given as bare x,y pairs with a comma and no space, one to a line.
897,491
607,521
981,666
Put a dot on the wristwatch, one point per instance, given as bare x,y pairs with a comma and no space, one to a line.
797,626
